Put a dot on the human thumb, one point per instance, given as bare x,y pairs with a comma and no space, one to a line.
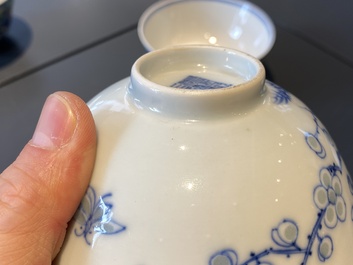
41,190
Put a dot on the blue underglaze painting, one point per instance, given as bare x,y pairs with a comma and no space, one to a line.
94,217
195,82
331,206
327,197
280,96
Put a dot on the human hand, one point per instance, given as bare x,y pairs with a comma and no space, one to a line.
41,190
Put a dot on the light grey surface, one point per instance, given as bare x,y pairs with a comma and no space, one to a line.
326,24
84,74
59,28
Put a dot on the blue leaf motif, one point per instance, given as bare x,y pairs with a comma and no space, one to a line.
350,183
281,96
94,217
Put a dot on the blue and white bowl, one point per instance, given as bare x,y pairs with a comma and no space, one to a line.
201,161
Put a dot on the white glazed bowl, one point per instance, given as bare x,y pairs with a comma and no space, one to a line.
230,23
202,162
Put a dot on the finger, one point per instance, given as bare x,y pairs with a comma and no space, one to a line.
41,190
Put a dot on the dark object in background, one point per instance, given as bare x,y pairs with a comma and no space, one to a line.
5,16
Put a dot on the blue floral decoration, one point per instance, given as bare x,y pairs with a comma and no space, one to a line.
332,209
94,217
196,82
328,199
226,256
281,96
312,138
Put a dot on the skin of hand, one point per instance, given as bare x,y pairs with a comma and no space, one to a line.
41,190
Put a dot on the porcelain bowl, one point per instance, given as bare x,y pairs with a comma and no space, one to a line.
201,161
230,23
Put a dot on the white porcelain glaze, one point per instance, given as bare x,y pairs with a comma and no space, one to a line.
230,23
249,178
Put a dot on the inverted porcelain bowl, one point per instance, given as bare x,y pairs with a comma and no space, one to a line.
201,161
229,23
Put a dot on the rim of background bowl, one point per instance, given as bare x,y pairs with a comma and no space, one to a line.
254,9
